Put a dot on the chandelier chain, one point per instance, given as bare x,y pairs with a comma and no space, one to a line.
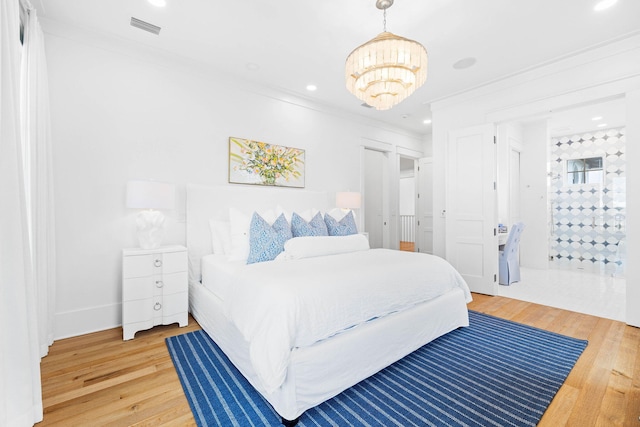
384,20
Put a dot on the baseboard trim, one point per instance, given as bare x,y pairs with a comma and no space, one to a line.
87,320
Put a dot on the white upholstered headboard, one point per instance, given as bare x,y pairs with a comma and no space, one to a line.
206,202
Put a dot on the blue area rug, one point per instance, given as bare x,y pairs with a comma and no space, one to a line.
493,373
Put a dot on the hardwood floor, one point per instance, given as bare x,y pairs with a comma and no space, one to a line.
407,246
98,379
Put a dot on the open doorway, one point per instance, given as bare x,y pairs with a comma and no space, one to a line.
376,197
572,164
407,203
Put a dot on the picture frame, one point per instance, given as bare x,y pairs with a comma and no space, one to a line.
261,163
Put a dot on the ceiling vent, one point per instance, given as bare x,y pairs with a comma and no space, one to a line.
135,22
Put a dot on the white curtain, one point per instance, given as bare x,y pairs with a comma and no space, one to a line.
25,297
36,145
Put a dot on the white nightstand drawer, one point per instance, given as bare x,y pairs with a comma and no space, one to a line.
137,266
137,310
174,261
173,283
138,288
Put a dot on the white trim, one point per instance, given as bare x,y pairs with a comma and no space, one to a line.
87,320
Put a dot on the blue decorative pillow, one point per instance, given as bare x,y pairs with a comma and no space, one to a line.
267,241
345,227
315,227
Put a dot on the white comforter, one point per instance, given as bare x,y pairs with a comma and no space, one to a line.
278,306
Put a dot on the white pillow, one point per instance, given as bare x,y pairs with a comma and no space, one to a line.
307,215
220,236
313,246
239,231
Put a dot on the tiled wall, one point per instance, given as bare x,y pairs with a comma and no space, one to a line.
587,221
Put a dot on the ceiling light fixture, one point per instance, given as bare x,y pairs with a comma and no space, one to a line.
158,3
312,88
595,119
387,69
601,125
427,121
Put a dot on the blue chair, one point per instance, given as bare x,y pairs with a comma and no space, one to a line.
508,263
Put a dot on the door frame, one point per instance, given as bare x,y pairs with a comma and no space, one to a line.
389,229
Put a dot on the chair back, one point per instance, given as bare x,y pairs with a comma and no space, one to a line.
513,241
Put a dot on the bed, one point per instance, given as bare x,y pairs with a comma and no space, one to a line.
324,315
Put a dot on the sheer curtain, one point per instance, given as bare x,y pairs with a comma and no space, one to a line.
36,145
25,297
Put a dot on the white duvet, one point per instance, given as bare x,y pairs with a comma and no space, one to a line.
278,306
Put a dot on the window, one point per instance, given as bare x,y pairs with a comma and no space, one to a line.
585,171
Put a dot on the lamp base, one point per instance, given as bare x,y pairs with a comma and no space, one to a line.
150,228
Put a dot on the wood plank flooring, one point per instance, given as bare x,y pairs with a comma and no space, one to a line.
407,246
100,380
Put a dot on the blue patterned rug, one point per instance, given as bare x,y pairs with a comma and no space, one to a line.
493,373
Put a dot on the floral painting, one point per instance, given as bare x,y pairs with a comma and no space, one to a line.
255,162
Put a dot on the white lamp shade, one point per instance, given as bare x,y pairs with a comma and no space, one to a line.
150,195
348,200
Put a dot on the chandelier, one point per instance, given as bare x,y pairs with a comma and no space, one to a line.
387,69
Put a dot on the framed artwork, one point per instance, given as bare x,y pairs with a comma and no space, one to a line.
255,162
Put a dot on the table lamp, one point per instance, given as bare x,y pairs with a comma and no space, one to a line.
151,196
348,200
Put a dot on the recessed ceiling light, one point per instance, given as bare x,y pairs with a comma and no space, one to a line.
601,125
427,121
596,118
312,88
464,63
604,4
158,3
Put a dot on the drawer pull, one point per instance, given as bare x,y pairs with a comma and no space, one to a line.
157,306
158,263
159,283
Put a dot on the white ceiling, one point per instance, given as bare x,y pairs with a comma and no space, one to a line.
298,42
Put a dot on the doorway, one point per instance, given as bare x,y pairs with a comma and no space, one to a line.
407,204
376,196
574,254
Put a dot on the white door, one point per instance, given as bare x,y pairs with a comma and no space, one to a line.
376,187
425,205
472,246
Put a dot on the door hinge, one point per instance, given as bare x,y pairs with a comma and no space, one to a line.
495,139
418,222
495,186
495,278
494,231
418,195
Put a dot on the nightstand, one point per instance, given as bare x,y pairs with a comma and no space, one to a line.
155,288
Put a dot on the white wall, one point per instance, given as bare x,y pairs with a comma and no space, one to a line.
607,71
120,113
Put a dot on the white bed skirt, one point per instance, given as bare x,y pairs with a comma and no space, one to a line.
323,370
